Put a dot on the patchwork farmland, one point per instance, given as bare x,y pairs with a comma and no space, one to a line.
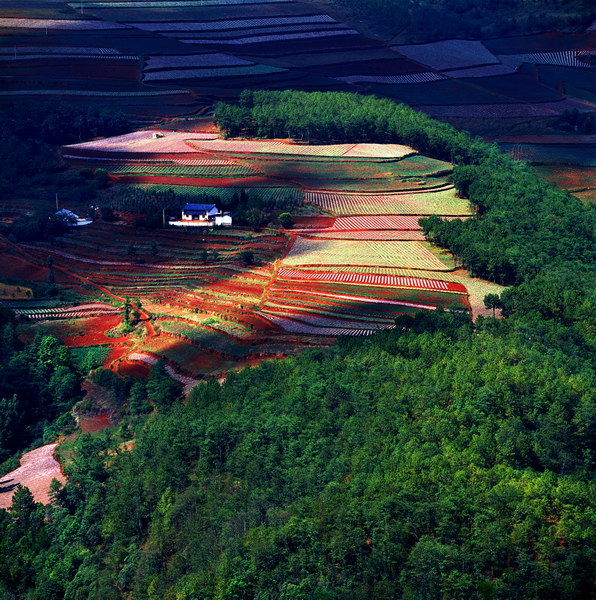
352,263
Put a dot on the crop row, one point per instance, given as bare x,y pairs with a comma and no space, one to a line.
355,301
231,34
24,50
88,57
258,39
320,321
569,58
338,306
53,24
209,73
481,71
407,254
377,295
292,326
209,170
171,3
65,315
366,315
213,59
371,279
99,93
440,202
270,147
423,274
230,23
448,54
379,222
395,235
68,309
423,77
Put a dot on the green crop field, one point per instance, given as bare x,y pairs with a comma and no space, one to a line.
406,254
440,202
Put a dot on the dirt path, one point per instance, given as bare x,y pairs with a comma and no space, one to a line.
477,289
37,470
150,359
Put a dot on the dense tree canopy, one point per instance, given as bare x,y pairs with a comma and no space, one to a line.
438,461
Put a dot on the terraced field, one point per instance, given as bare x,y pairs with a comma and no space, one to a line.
406,254
332,276
443,201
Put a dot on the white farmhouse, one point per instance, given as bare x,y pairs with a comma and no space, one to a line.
199,212
202,215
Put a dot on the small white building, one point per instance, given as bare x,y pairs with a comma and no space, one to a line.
223,220
202,215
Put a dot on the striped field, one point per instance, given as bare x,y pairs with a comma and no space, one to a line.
406,254
440,202
371,279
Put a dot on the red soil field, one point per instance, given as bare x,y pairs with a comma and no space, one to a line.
118,351
94,423
313,222
239,182
15,267
87,332
569,177
138,370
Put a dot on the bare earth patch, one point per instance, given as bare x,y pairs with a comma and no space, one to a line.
36,472
477,289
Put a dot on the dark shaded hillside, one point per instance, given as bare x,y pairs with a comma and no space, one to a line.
431,20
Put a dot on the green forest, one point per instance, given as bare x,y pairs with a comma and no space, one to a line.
444,459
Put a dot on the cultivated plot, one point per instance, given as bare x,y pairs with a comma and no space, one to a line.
406,254
440,202
449,54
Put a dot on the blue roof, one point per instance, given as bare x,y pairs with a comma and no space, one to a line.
201,207
64,212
